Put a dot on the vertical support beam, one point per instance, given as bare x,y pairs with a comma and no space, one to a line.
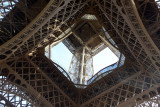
69,70
49,51
92,67
82,65
116,52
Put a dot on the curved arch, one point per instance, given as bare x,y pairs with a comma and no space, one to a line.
105,71
143,28
40,24
62,70
27,32
139,31
14,94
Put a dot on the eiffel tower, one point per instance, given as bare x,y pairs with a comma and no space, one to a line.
130,28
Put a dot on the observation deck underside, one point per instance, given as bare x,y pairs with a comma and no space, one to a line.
29,78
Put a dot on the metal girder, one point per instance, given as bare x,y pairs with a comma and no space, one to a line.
108,82
134,87
15,15
110,19
149,7
33,94
54,74
16,90
51,82
119,23
39,20
146,96
149,13
151,20
7,103
127,86
140,32
38,30
80,40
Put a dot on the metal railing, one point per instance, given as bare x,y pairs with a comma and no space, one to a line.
102,73
62,70
107,70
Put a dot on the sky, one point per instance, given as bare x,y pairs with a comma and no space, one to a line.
62,56
5,8
103,59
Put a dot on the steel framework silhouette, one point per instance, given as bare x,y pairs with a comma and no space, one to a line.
29,78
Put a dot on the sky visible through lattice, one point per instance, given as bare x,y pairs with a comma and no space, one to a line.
62,56
158,3
5,7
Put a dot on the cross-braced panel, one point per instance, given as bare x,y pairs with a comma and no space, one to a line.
122,93
129,84
15,91
109,12
11,95
141,34
107,82
149,12
40,82
56,76
17,14
46,27
149,95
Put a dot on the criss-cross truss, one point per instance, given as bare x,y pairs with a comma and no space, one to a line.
28,78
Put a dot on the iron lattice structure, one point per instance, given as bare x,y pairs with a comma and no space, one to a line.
77,68
27,26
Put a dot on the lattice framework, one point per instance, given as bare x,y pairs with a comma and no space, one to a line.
140,83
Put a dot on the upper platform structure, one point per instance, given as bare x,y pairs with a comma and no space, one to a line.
85,39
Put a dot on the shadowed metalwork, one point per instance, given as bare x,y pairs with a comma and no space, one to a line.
130,28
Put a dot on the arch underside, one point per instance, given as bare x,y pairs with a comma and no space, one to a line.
33,80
